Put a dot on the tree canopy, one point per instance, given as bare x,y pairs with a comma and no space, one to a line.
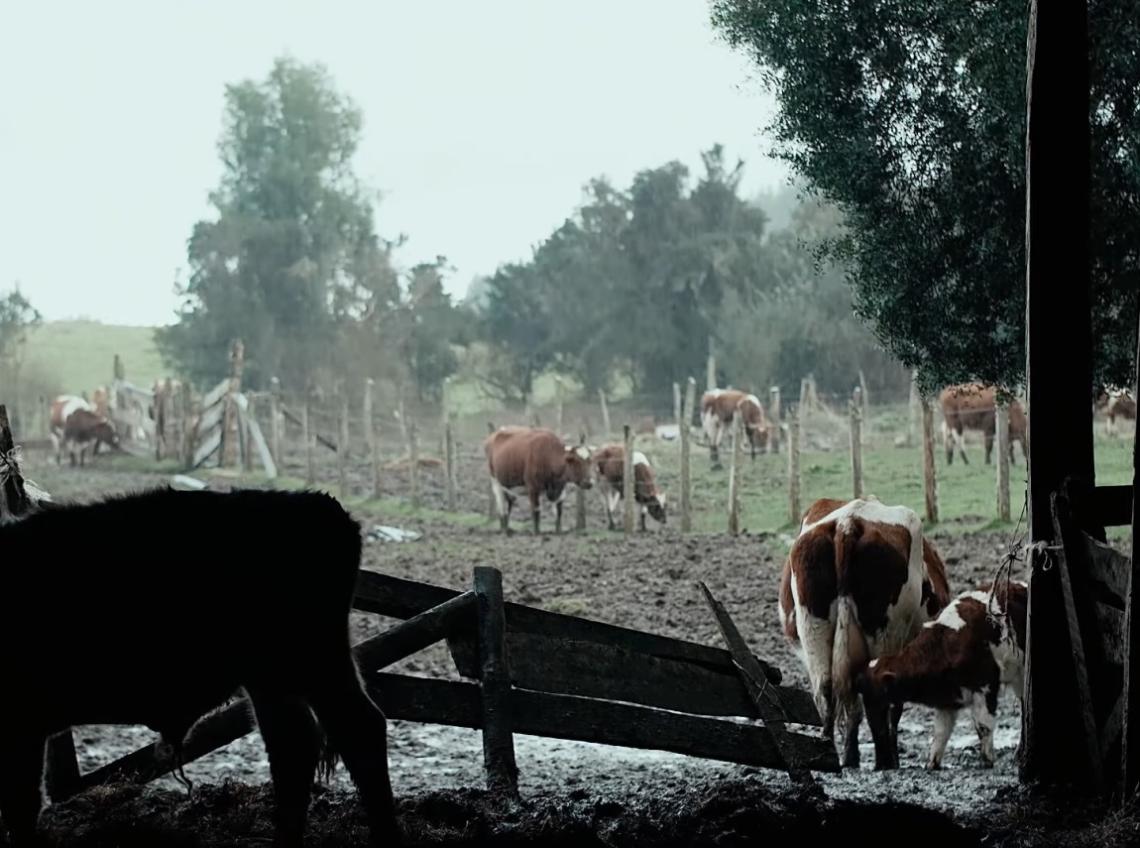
910,117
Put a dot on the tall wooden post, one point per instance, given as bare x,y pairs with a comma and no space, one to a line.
449,464
794,509
628,501
275,422
686,472
864,404
915,406
247,434
158,399
929,482
307,429
342,444
1058,370
856,446
580,495
774,413
1001,459
677,403
1130,697
413,465
495,683
710,367
189,416
733,473
371,435
607,429
230,417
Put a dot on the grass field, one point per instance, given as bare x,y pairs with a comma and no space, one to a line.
77,356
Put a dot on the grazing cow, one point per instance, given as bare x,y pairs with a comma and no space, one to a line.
537,460
1116,403
717,408
75,424
175,642
961,659
972,406
609,463
859,582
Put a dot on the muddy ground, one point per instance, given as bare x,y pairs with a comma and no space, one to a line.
579,793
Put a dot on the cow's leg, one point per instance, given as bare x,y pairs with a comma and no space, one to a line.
984,707
613,501
644,511
989,437
357,731
948,443
293,744
943,727
503,503
535,509
960,438
21,775
852,718
558,516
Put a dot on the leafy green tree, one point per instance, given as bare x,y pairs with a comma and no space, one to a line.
290,262
910,117
430,326
17,317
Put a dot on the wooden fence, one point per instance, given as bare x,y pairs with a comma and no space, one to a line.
545,674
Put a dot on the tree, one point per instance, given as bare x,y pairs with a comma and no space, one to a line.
290,262
910,117
430,325
17,316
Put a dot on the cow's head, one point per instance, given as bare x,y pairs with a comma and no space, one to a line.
579,469
881,701
656,507
106,434
758,435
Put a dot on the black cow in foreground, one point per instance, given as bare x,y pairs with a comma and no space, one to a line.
256,598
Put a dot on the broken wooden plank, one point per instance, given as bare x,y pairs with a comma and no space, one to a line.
416,633
763,695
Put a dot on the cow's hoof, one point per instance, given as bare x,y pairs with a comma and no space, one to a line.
934,765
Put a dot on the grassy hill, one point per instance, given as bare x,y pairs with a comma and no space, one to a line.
77,356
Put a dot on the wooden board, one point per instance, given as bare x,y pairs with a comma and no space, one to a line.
207,448
215,394
250,425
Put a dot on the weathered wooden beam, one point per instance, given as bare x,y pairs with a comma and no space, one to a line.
399,598
1130,697
764,696
416,633
495,684
1058,367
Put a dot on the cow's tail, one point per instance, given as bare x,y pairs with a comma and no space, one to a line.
849,653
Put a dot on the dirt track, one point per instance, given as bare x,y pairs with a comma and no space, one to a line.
648,583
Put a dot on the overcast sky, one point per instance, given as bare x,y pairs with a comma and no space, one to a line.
482,121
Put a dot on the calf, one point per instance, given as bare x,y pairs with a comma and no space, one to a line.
75,423
961,659
717,409
266,612
858,582
537,460
609,463
972,406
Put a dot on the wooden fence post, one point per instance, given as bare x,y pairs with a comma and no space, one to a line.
710,366
492,504
794,510
373,439
449,464
686,473
247,434
864,404
560,403
230,436
413,465
915,405
158,401
628,501
930,484
677,403
495,683
189,416
776,416
275,422
342,444
606,428
45,417
580,495
856,446
733,472
1001,460
307,429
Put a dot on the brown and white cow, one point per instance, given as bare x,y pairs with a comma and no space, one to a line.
859,582
972,406
717,409
959,660
75,425
1116,403
537,460
609,463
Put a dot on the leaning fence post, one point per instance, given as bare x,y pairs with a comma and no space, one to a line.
247,433
275,422
677,402
733,473
930,484
710,366
413,465
1001,420
449,465
580,495
189,416
856,445
495,683
864,404
605,413
627,494
686,473
794,511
